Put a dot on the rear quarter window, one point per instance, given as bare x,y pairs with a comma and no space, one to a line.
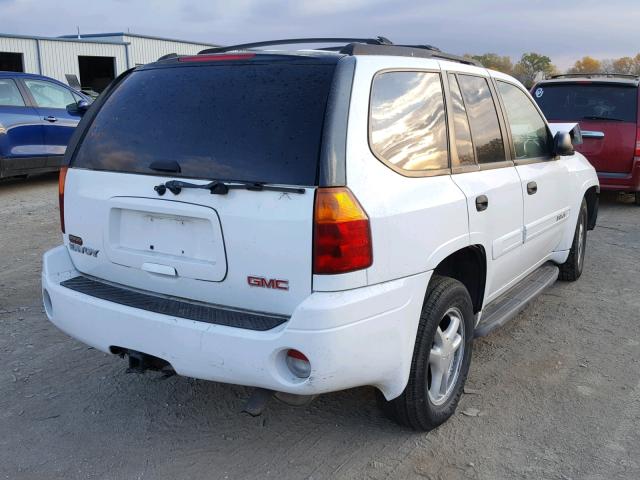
576,101
245,122
408,129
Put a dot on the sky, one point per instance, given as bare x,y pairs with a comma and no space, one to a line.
565,30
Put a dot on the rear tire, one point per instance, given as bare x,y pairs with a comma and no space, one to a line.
637,198
571,270
441,358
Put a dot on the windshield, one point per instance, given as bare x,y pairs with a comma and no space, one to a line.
248,122
575,101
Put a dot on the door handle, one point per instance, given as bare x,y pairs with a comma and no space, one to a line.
532,188
482,203
51,119
159,269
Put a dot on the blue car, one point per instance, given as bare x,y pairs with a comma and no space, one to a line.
37,118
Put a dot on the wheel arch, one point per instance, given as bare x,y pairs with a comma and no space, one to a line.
592,196
469,266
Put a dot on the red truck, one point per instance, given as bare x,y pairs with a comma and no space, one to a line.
607,107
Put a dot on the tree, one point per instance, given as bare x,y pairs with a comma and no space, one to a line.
623,65
586,65
532,65
494,62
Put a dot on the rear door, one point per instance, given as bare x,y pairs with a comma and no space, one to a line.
544,179
607,113
488,179
229,121
56,106
20,130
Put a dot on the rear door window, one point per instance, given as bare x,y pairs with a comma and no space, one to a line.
578,101
408,124
531,138
245,122
464,143
9,94
483,118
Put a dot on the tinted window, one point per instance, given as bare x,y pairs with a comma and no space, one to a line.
464,145
483,118
9,94
408,127
572,102
531,138
49,95
251,122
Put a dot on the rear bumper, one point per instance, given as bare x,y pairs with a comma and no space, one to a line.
624,182
352,338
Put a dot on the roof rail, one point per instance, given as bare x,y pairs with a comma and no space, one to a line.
168,55
591,75
291,41
420,51
357,46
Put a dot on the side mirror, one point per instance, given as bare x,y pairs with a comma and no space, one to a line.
562,144
82,105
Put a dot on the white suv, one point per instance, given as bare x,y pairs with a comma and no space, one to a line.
314,220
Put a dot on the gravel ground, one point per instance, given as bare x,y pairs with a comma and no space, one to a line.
555,394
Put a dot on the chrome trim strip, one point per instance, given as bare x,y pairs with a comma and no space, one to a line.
592,134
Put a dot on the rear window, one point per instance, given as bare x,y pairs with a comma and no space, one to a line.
257,123
573,102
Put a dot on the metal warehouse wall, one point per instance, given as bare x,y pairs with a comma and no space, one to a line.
145,50
29,49
60,57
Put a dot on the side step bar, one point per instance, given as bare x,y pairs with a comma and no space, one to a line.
509,304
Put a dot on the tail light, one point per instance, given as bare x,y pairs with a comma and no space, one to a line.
637,154
61,181
341,233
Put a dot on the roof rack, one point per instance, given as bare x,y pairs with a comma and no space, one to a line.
357,46
168,55
420,51
591,75
291,41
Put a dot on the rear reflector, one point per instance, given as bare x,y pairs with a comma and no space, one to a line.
341,233
216,57
298,363
61,182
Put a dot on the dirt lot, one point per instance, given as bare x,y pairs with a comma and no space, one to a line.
555,393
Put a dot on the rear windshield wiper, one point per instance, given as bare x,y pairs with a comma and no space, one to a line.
218,187
596,117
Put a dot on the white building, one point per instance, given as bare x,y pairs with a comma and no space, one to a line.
94,59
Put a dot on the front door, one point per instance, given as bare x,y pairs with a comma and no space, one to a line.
544,179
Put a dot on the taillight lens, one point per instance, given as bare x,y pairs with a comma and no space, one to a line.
341,233
637,154
61,181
